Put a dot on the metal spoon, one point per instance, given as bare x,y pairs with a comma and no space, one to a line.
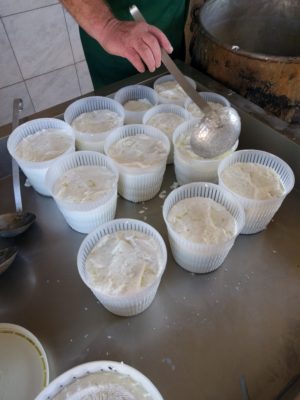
217,132
7,257
13,224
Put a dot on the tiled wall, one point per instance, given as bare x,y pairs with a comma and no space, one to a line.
41,57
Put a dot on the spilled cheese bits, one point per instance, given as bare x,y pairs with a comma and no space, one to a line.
123,262
202,220
253,181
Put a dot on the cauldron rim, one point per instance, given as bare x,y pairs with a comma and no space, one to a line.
241,51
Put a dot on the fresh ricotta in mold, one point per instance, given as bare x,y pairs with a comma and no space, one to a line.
84,184
253,181
123,262
97,121
202,220
44,145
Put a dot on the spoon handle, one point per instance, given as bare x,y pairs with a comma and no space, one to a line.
17,107
173,69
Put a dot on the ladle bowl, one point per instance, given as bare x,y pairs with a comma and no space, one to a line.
7,257
13,224
217,133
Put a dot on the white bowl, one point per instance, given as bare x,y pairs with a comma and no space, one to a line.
84,217
200,257
126,304
258,213
36,171
135,92
138,184
167,100
86,140
70,376
209,97
189,167
167,108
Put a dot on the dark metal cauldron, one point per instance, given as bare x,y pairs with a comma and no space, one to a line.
253,47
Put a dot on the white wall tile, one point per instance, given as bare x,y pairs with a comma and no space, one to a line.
85,81
53,88
8,7
74,38
9,70
40,40
7,95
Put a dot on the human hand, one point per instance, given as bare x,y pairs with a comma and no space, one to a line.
139,42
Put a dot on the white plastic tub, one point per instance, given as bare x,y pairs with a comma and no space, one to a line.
139,184
136,92
189,167
130,304
84,217
36,171
258,213
94,367
200,257
88,140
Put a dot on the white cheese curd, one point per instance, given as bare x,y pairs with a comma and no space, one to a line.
183,145
167,122
83,184
140,151
106,385
202,220
170,90
253,181
97,121
44,145
123,263
137,105
197,113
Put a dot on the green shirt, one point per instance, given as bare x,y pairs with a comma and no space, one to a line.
167,15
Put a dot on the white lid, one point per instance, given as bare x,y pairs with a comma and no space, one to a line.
23,363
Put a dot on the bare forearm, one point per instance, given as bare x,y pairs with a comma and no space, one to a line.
139,42
91,15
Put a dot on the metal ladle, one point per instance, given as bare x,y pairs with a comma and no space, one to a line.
13,224
217,132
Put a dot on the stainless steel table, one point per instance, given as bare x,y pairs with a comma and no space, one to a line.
202,332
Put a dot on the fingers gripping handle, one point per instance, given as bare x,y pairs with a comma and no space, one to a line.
172,68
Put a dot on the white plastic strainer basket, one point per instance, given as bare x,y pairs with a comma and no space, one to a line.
139,184
172,109
258,213
200,257
36,171
84,217
130,304
189,167
136,92
92,141
96,367
167,100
